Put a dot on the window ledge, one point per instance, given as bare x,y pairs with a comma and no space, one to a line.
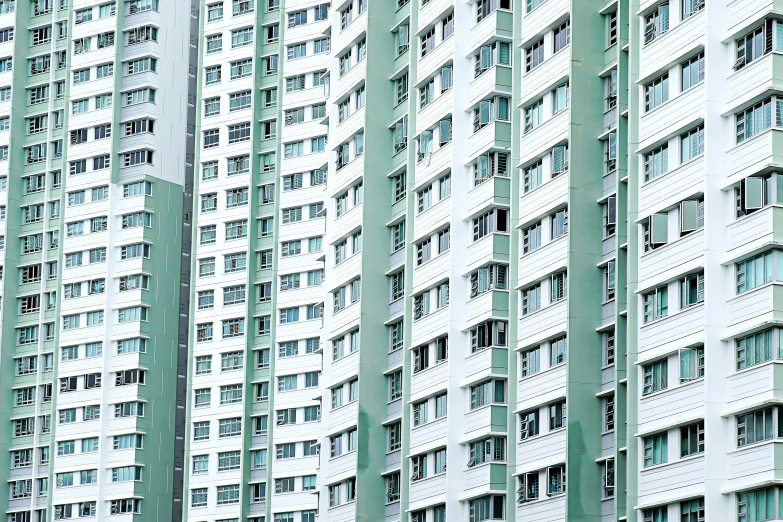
673,462
673,171
755,445
541,435
428,423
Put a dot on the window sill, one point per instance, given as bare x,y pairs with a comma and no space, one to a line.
673,171
432,259
535,312
343,504
672,242
661,465
673,388
755,366
544,245
669,316
428,423
431,367
540,500
541,435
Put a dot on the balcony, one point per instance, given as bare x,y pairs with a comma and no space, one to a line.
344,366
432,11
672,187
756,77
490,360
677,326
667,47
540,325
427,487
341,513
348,316
491,247
428,433
680,403
350,126
754,308
493,303
496,190
427,221
680,478
432,378
546,509
538,202
497,24
539,140
342,465
543,261
486,418
304,96
665,261
548,74
682,108
753,385
541,451
435,59
741,10
496,79
753,155
430,326
754,464
343,416
434,111
487,476
752,231
537,20
539,388
348,222
351,33
426,274
440,161
303,163
496,134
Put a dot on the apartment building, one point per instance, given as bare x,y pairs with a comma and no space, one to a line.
463,261
95,174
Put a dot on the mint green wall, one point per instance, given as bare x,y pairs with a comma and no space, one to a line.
585,174
373,355
632,274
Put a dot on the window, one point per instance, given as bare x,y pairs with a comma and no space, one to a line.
755,349
655,377
692,439
534,55
487,392
692,69
751,47
656,449
656,304
656,23
756,505
488,111
490,507
656,163
754,120
692,144
691,290
492,449
562,36
497,53
656,92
